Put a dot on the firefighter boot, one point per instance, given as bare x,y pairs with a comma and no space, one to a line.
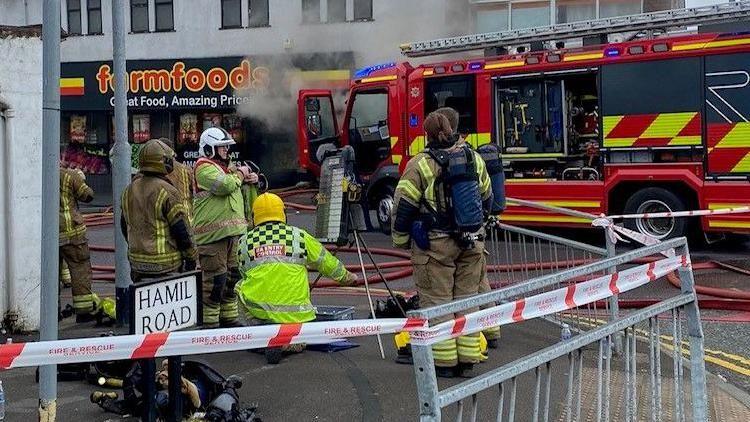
228,310
213,291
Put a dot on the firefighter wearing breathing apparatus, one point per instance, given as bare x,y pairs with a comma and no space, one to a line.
274,258
74,247
154,221
439,210
490,153
219,216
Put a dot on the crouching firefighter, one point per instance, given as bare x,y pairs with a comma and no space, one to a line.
274,258
154,221
219,216
74,247
439,210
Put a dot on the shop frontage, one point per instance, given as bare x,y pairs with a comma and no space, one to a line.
179,98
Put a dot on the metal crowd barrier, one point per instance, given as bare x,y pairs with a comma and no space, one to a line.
537,370
516,254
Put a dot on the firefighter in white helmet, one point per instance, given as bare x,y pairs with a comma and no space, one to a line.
219,219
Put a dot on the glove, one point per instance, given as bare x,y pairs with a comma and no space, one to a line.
244,172
252,178
188,265
349,280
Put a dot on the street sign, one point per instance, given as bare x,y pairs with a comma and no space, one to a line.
166,304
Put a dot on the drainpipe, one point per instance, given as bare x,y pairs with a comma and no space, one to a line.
9,302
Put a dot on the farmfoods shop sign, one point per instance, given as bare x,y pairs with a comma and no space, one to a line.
161,84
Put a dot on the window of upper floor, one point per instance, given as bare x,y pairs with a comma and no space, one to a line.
138,16
164,14
231,14
336,11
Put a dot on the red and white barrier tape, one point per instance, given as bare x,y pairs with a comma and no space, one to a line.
17,355
550,302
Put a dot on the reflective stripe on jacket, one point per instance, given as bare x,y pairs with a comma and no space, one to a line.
219,210
274,259
150,206
182,179
73,188
417,192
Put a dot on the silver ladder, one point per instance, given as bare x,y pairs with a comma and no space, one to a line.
725,12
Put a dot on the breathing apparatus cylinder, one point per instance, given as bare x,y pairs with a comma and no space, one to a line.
490,153
466,200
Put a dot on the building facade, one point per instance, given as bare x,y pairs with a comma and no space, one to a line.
20,170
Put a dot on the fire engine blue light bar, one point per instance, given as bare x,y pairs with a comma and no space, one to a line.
366,71
475,66
612,52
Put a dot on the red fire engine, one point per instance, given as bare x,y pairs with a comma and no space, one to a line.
635,127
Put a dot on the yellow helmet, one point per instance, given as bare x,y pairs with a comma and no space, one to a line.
268,207
156,157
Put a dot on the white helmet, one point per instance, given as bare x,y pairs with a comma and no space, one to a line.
211,138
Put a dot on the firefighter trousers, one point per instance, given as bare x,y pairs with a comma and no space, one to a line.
78,258
442,274
492,333
221,273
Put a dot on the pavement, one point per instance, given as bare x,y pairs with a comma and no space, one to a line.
357,385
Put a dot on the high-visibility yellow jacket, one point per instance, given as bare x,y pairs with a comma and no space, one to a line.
219,207
273,259
418,193
151,210
73,188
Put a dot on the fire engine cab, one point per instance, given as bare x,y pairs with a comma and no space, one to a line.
643,126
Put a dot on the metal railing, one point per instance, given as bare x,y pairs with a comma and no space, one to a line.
516,254
500,386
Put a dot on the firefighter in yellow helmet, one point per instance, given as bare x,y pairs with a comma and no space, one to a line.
181,178
74,247
438,213
154,220
274,258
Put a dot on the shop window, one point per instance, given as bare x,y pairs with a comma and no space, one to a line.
95,16
492,17
336,11
362,10
529,14
456,92
258,13
85,143
74,17
310,11
231,16
575,10
612,8
139,15
164,15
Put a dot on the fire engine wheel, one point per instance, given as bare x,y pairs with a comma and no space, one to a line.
384,206
653,200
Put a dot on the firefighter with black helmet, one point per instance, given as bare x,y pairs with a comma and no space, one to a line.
74,247
219,216
274,258
154,220
439,210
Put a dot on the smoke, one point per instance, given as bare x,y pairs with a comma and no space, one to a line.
341,46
